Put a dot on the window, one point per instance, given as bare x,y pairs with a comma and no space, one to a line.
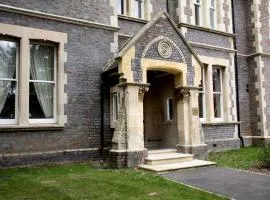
212,13
217,92
169,108
32,77
121,7
202,108
8,81
42,83
114,107
197,7
139,8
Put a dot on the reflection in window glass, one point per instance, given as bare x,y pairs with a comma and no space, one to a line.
169,109
42,81
120,7
138,8
202,95
8,79
197,12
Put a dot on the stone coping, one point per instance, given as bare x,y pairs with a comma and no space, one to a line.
219,123
32,127
134,19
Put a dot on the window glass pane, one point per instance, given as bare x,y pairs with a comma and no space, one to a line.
41,100
213,3
7,99
217,105
120,7
138,6
216,80
115,107
169,109
42,62
201,108
197,14
8,59
212,18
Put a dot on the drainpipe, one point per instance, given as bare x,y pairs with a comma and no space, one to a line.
102,119
236,77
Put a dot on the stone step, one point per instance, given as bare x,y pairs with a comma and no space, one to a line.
162,168
165,158
159,151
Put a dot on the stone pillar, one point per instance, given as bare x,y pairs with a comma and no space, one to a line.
134,152
189,134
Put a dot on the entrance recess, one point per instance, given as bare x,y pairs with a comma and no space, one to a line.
160,123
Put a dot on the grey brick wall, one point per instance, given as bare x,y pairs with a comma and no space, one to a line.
93,10
244,96
84,66
208,38
218,132
129,27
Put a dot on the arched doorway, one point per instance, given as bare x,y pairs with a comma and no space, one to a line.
160,116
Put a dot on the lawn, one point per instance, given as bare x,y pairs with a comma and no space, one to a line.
81,181
244,158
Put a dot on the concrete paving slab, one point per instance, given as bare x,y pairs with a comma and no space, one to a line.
232,183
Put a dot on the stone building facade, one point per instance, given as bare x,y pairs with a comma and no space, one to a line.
131,75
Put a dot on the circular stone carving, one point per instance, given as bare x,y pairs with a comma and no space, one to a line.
165,49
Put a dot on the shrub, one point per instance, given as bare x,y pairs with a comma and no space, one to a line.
265,156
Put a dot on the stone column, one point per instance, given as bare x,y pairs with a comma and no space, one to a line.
189,133
134,152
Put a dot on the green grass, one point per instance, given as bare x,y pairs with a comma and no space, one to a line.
244,158
81,181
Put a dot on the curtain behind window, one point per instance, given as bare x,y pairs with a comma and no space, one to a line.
42,70
7,69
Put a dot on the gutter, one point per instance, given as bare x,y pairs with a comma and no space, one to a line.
236,78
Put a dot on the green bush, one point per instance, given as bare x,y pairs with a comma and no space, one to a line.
265,156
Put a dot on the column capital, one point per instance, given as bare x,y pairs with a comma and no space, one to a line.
184,91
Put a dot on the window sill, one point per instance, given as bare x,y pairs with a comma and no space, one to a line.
34,127
134,19
219,123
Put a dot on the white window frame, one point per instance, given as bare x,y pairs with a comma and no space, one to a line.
168,117
54,82
220,93
197,3
15,120
203,71
212,8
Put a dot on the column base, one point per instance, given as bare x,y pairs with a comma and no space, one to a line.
125,158
199,151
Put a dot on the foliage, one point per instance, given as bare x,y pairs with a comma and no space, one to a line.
265,156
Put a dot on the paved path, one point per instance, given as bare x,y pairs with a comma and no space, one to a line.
228,182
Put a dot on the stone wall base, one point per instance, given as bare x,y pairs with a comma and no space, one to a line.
123,158
199,151
260,141
52,157
222,145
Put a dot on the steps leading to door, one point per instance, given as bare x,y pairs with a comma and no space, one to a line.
164,160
